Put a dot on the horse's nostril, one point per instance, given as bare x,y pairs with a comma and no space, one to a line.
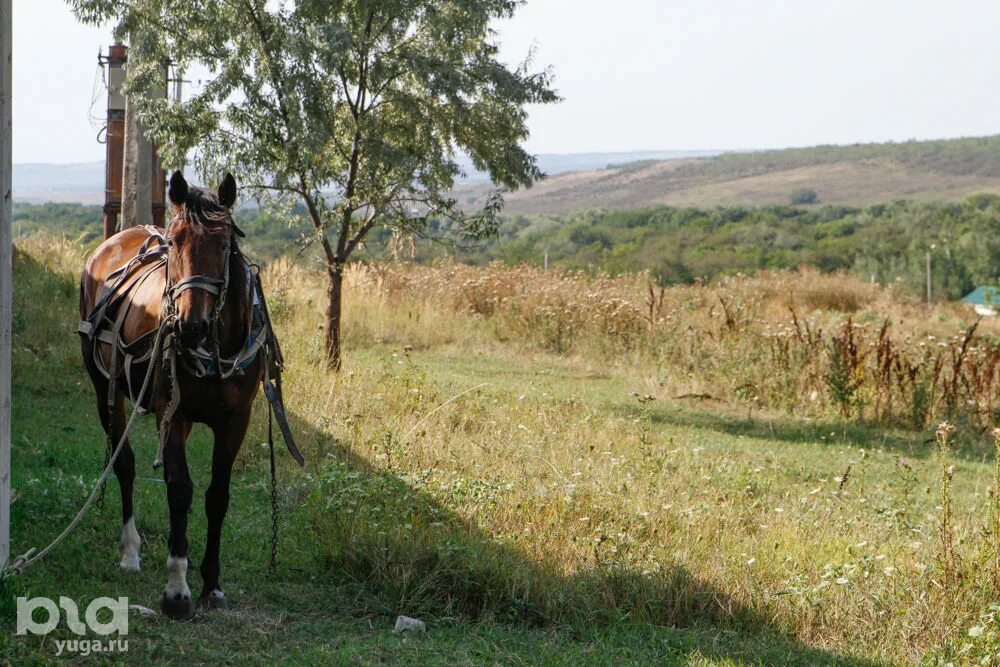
193,332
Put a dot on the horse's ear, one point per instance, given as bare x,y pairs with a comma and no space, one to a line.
178,191
227,191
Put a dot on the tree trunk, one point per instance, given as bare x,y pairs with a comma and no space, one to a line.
334,291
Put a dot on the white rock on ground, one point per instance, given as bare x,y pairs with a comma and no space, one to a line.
142,611
404,623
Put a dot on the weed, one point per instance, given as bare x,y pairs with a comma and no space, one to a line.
946,531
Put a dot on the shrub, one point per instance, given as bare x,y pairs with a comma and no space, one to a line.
803,196
586,235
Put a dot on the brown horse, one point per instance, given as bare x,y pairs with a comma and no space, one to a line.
185,300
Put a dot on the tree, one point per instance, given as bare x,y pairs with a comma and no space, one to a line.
356,108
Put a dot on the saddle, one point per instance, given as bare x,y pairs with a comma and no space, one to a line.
104,322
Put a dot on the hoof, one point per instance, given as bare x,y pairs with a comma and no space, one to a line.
130,563
213,600
178,609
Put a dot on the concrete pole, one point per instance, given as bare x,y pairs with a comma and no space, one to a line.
137,176
114,153
137,170
6,274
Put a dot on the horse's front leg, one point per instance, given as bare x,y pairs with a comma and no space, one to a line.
229,435
176,602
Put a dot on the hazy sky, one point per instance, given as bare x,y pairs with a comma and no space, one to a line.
647,74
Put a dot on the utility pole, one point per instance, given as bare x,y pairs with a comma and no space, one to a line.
6,273
135,183
114,136
137,176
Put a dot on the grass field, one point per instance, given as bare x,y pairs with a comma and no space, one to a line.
534,502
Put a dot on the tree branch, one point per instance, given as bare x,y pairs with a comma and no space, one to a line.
360,234
354,165
317,220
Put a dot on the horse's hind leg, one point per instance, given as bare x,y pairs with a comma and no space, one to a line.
125,472
228,438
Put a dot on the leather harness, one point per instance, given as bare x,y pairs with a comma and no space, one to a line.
105,320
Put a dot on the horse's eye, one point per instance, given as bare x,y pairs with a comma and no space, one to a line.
170,242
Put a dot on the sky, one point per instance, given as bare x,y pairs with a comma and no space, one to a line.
644,74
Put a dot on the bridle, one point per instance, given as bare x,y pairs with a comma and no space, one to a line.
217,287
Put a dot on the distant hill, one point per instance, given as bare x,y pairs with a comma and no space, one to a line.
84,183
856,175
81,183
554,164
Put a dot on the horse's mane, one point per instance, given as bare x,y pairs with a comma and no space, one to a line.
204,208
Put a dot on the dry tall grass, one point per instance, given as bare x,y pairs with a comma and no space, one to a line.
799,342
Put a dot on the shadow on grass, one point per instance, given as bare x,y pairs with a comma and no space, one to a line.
915,444
358,543
406,553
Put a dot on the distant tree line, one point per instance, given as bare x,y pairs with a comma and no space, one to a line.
267,237
884,242
973,155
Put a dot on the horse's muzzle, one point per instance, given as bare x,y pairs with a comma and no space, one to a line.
192,333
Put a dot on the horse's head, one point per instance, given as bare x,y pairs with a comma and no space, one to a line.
200,238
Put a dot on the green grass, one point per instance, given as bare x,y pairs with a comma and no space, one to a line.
546,518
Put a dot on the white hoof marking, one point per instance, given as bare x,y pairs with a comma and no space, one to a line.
130,544
177,588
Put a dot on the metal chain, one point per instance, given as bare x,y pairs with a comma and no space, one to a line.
104,485
274,494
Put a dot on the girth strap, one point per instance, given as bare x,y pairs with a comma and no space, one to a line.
113,367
